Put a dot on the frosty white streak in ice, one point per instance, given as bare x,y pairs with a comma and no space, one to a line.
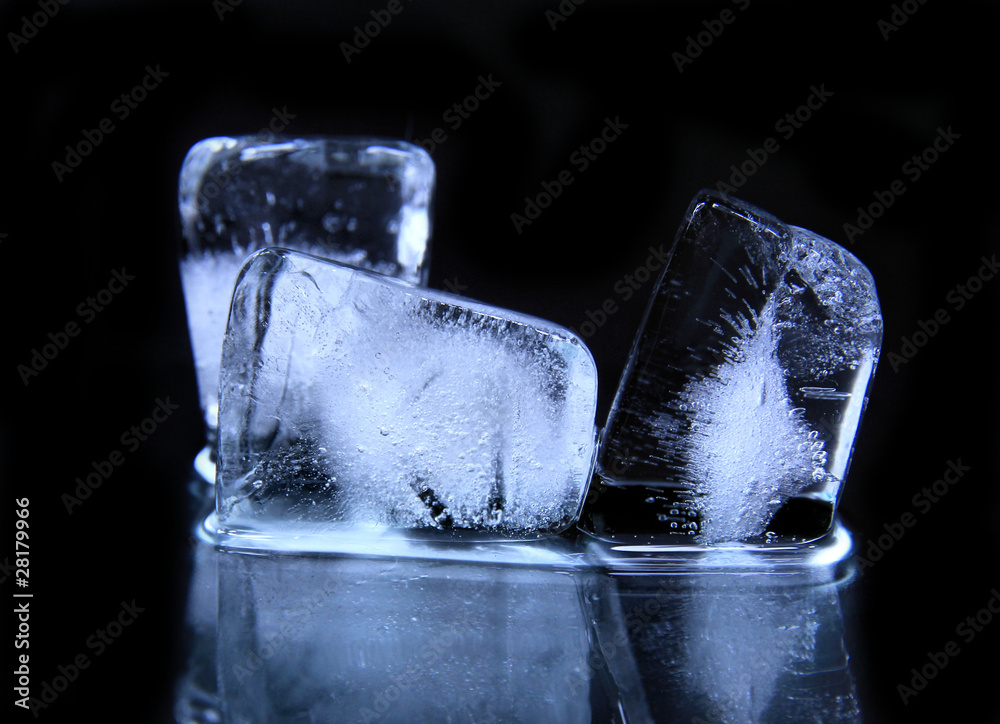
746,449
350,398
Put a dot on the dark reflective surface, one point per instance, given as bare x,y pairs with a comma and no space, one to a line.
297,638
724,647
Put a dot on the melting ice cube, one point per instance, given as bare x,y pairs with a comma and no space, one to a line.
348,397
736,415
363,202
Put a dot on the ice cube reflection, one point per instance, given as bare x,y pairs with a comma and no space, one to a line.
346,639
349,639
747,649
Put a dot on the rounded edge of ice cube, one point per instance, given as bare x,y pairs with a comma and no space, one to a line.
543,325
829,554
547,550
856,266
734,203
196,163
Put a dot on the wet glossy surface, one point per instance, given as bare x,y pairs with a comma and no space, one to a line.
553,630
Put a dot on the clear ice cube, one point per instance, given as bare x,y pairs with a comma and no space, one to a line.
736,415
364,202
349,397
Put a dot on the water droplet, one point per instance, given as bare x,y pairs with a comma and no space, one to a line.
352,224
271,200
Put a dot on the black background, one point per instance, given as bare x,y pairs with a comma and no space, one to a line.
129,540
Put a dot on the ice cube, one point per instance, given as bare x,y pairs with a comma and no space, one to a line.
736,415
349,397
364,202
